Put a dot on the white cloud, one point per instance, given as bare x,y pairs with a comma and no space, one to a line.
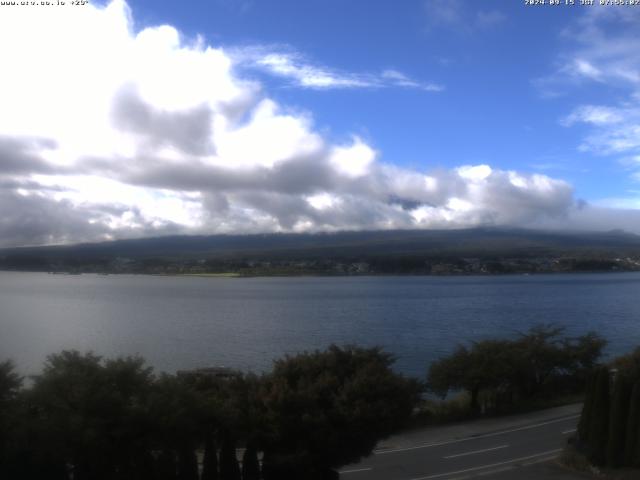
268,138
474,173
310,76
616,129
582,68
354,160
301,72
595,115
601,52
132,133
399,79
457,16
598,46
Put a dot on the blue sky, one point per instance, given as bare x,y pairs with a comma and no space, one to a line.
216,116
492,109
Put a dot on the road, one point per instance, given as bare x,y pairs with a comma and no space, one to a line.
487,449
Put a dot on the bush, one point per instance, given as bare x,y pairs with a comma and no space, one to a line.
499,374
331,408
572,458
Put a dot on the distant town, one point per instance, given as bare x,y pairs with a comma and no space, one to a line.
388,266
459,252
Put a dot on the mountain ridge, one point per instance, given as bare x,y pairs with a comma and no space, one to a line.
482,242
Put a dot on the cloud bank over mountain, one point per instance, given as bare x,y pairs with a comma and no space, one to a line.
111,132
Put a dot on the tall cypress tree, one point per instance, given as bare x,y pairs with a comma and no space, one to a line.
250,464
229,468
632,440
166,466
618,421
210,460
187,464
598,429
585,417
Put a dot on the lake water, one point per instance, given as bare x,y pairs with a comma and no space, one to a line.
187,322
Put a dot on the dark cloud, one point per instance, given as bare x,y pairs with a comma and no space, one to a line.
38,220
189,131
300,175
405,203
22,155
511,203
28,185
33,218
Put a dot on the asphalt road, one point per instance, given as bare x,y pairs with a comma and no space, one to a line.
486,451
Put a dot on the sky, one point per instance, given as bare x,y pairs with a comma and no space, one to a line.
149,117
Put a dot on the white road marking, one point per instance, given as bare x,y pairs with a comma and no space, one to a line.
483,467
541,460
497,470
355,470
486,435
567,432
476,451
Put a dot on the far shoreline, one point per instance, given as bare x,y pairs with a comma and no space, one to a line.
328,275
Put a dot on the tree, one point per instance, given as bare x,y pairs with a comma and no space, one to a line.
250,464
540,357
229,468
488,365
632,440
91,414
71,397
598,429
450,373
166,466
618,418
187,463
10,385
180,417
587,408
629,364
127,422
330,408
10,382
538,362
584,351
210,459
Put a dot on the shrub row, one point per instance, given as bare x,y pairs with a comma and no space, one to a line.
85,418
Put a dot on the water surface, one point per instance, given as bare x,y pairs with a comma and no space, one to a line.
187,322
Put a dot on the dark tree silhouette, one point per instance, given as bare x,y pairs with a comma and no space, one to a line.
250,464
95,412
539,362
210,459
632,439
599,421
167,467
587,409
10,383
488,364
330,408
618,418
229,468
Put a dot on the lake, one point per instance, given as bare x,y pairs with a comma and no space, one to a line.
187,322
